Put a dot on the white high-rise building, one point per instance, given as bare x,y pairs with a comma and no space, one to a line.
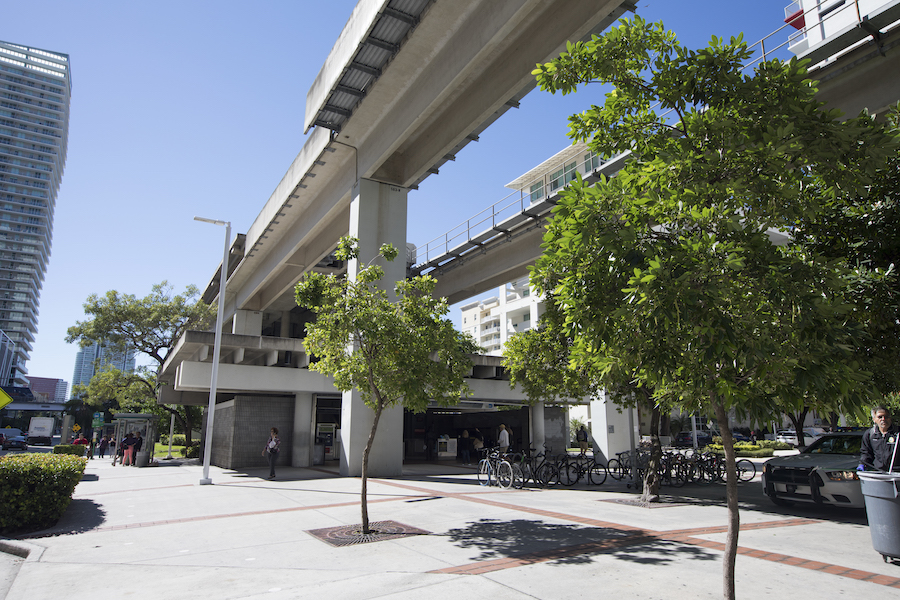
35,88
492,321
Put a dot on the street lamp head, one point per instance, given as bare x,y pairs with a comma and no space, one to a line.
213,221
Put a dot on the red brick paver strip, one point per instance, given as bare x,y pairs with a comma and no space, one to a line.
638,536
630,536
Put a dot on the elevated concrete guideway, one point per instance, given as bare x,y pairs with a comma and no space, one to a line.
406,86
854,66
451,70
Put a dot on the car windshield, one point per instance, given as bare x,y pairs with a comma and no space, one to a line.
835,444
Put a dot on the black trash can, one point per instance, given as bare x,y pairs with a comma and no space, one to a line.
882,494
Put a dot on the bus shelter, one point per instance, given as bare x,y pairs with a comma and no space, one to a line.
126,423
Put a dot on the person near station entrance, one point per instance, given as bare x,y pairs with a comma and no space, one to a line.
581,436
430,443
877,448
503,439
81,440
477,440
270,451
465,443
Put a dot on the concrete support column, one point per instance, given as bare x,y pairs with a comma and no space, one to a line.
304,423
538,436
285,324
247,322
377,216
504,317
612,430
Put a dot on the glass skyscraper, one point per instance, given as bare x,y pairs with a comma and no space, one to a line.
94,358
35,88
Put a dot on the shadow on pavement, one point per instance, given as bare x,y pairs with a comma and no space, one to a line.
504,539
82,515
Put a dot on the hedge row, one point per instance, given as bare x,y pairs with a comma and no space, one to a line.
35,489
177,439
73,449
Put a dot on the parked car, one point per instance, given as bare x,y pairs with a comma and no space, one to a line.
790,437
16,442
739,437
823,473
685,439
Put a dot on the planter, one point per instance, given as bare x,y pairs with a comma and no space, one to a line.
882,495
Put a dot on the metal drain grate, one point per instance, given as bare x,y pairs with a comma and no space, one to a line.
348,535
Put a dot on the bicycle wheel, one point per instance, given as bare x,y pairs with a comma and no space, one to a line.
485,472
568,473
597,474
615,469
548,474
504,474
746,470
518,478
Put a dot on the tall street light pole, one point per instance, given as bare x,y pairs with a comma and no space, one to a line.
217,349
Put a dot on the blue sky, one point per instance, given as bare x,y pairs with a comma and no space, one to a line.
184,108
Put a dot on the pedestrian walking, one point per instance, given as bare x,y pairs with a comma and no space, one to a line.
271,449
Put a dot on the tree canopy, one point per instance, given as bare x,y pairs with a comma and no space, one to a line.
393,352
150,326
682,271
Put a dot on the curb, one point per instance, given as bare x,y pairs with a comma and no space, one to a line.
30,552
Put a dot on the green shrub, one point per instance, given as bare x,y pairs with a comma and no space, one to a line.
73,449
192,451
177,439
35,489
774,445
746,446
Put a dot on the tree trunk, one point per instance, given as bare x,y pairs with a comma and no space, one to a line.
834,420
731,496
365,469
651,475
798,420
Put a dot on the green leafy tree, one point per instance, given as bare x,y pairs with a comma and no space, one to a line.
393,352
151,326
538,362
669,272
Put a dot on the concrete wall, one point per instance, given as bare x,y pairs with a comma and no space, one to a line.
223,434
242,427
555,429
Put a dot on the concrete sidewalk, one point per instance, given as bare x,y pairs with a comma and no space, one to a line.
155,533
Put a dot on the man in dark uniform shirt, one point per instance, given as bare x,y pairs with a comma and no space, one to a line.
877,446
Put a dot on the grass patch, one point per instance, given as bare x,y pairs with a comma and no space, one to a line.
162,450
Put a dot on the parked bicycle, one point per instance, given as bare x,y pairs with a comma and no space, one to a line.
495,469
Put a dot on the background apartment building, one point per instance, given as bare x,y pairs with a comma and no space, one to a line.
35,88
91,360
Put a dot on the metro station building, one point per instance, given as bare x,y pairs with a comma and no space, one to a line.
407,85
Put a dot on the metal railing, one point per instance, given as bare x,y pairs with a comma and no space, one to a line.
520,201
515,203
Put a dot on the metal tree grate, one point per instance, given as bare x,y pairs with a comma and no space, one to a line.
348,535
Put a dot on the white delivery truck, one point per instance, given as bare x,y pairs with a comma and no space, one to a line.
40,430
